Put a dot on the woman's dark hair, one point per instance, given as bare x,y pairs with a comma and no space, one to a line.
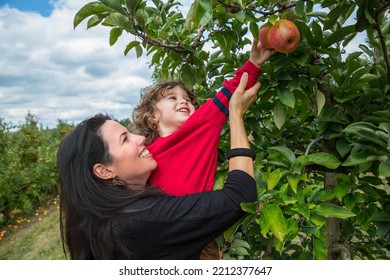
90,205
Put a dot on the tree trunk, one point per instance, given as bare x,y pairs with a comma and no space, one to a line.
335,249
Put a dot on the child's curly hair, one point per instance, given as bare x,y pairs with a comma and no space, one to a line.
143,115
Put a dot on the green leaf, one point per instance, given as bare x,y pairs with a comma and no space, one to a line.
240,243
384,168
115,5
320,251
249,207
380,217
273,18
116,19
95,20
132,5
89,10
320,101
328,210
350,201
325,195
285,152
361,22
228,234
300,7
357,157
293,181
130,46
305,32
334,15
338,36
254,29
169,22
199,13
241,251
187,75
341,190
240,16
115,33
302,209
318,37
314,70
272,179
264,226
383,229
138,50
276,221
317,220
342,147
279,115
323,159
286,97
141,18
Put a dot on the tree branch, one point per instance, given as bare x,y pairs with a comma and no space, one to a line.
312,143
176,48
199,35
383,40
235,8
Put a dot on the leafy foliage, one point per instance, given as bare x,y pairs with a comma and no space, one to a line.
321,125
28,169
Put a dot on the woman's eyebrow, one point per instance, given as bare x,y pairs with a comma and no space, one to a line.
123,135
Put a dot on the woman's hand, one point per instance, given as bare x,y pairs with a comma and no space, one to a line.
241,99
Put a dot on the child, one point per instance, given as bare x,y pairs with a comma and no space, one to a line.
183,156
168,117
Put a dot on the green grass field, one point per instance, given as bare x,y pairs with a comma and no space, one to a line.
38,240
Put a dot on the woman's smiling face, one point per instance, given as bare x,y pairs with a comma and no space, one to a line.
131,162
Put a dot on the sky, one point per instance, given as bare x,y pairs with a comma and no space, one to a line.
55,72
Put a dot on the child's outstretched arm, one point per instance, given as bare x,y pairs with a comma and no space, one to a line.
257,57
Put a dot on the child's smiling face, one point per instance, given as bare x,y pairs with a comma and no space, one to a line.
173,110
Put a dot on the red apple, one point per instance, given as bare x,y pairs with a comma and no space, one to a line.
284,36
263,36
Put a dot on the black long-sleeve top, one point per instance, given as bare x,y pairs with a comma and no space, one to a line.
179,227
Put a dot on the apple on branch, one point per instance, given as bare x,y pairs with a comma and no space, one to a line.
283,36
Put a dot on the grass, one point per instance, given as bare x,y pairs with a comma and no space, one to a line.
37,240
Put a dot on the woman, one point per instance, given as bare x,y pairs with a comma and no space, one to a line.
109,212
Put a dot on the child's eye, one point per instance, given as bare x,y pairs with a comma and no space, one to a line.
172,97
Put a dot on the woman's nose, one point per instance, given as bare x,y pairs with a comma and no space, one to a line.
139,139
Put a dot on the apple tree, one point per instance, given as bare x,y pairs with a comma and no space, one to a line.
321,124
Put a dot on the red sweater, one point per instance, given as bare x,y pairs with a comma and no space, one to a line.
187,159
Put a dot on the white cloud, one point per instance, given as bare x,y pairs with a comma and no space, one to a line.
56,72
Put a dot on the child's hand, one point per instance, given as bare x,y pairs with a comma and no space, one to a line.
259,55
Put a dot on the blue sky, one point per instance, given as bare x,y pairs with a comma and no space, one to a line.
44,7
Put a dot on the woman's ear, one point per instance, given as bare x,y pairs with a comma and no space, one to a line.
101,171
